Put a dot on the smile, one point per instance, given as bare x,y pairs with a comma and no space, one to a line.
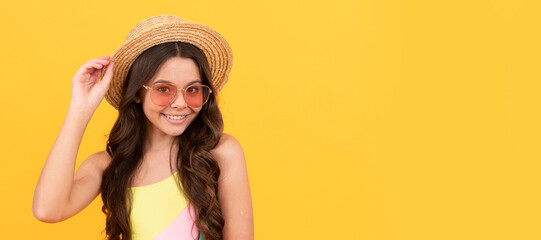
175,117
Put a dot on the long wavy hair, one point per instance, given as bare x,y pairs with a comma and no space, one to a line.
198,169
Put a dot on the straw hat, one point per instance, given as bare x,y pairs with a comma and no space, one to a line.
167,28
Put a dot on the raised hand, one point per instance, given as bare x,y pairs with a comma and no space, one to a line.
86,92
59,193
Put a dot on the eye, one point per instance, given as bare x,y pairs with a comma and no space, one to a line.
193,89
163,89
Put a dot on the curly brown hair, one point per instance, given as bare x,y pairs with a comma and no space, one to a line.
198,169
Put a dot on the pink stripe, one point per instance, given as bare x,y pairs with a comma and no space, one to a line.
182,227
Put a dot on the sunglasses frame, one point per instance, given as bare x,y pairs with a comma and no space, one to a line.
176,94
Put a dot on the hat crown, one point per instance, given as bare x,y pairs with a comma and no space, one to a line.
151,23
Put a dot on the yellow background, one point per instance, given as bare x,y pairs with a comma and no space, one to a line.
363,119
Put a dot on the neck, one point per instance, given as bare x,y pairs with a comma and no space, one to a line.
156,141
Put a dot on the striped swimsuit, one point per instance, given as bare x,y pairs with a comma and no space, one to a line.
161,212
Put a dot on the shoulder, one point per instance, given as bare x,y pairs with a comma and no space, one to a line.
228,151
227,146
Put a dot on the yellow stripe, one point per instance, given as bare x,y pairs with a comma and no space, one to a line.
155,207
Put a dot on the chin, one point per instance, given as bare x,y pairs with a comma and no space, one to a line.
177,133
174,130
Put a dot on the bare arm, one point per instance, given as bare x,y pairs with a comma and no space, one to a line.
60,193
234,190
53,189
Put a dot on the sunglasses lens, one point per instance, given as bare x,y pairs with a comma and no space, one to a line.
197,95
163,94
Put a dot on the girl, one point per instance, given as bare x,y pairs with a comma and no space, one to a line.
168,171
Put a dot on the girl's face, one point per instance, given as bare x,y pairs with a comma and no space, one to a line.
173,119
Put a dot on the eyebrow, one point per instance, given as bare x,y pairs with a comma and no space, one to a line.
166,81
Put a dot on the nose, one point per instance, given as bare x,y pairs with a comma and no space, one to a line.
179,101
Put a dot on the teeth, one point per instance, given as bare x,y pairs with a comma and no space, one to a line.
175,117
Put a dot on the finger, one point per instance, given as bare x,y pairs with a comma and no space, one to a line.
100,61
96,74
106,80
89,68
95,66
104,57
